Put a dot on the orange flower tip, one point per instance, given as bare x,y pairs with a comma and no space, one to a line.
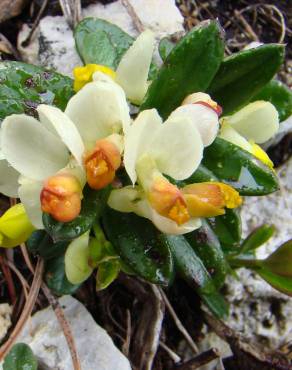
61,197
212,105
101,164
168,201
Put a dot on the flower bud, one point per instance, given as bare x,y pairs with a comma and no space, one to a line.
101,164
83,75
61,197
204,99
168,201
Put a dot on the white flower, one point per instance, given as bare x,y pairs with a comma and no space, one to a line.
257,122
41,150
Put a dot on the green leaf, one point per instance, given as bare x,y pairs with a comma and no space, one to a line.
280,261
42,244
56,279
257,238
282,283
207,246
190,67
92,207
193,271
20,357
23,87
242,75
137,242
228,229
279,95
240,169
76,260
165,46
107,272
202,174
100,42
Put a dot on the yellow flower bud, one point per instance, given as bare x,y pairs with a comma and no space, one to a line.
83,75
61,197
15,227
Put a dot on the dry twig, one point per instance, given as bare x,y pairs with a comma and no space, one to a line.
134,16
64,325
31,299
200,360
178,323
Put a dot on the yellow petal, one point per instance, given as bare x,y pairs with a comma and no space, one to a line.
15,227
83,75
259,153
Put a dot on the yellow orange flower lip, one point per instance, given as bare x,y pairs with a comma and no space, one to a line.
61,197
101,164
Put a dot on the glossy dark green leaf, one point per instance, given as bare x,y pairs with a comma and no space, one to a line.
56,279
191,268
244,74
23,87
189,67
98,41
207,246
257,238
92,206
137,242
165,46
202,174
280,261
20,357
279,95
240,169
228,229
42,244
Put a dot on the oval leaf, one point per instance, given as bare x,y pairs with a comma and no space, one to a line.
137,242
207,246
242,75
240,169
279,95
42,244
107,272
280,261
189,67
20,357
100,42
228,229
165,46
257,238
92,207
56,279
192,270
24,86
282,283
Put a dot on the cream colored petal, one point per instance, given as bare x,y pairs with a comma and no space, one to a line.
133,70
257,121
29,194
76,260
30,148
8,180
98,110
177,147
64,127
139,138
204,118
228,133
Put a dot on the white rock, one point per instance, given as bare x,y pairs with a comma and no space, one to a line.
94,346
55,40
5,319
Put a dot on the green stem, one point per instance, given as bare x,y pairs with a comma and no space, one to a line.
242,262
